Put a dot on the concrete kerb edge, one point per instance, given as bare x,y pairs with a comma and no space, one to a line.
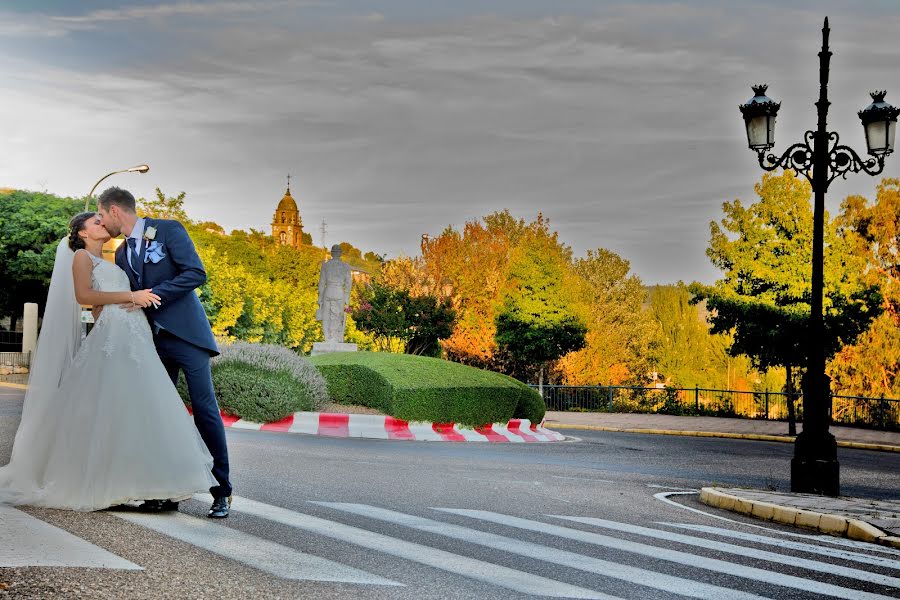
837,525
17,386
721,434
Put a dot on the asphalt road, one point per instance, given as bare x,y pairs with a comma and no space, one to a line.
341,518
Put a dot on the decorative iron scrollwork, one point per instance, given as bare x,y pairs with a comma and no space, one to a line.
841,159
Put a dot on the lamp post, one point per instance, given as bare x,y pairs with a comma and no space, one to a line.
821,159
137,169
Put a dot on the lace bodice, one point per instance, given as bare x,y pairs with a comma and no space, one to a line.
129,327
107,276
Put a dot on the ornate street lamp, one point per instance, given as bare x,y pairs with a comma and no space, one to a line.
821,159
137,169
880,122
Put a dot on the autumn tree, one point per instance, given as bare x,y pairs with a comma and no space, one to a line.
621,336
871,366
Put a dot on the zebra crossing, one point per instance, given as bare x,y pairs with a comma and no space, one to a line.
622,560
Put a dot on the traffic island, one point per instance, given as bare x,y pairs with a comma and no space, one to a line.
875,521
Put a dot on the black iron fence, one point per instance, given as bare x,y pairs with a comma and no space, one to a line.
879,413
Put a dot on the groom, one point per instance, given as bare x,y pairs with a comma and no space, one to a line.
159,255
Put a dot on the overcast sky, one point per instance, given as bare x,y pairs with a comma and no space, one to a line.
617,120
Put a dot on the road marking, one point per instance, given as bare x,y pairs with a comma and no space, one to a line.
754,553
584,479
39,544
252,551
634,575
825,539
512,579
684,558
801,546
671,487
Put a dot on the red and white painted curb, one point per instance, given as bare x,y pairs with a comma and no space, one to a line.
388,428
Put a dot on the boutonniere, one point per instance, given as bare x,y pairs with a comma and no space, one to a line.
149,235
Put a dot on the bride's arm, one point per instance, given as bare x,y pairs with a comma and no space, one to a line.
85,294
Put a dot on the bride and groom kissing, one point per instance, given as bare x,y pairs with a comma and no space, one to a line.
102,422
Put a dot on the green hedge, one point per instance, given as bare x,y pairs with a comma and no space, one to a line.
418,388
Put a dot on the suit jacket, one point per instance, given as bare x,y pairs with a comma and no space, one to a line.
174,278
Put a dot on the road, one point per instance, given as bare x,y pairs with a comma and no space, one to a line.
341,518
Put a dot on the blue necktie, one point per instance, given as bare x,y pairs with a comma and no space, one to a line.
134,263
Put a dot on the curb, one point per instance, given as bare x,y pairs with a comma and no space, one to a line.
385,427
721,434
853,529
17,386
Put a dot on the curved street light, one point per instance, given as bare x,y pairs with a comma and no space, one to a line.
821,159
137,169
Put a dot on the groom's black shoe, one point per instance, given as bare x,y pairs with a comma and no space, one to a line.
219,508
158,506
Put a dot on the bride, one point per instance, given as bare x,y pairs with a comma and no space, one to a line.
102,423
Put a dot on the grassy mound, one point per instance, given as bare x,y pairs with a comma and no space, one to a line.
264,383
418,388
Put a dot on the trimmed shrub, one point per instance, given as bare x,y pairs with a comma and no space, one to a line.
263,383
418,388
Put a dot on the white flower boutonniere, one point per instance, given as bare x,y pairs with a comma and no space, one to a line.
150,233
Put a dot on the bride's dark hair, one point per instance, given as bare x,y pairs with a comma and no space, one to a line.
75,226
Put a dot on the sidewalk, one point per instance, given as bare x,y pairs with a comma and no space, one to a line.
776,431
876,521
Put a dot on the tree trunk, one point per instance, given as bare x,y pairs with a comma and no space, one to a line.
792,418
541,381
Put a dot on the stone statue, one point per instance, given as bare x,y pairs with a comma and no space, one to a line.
335,282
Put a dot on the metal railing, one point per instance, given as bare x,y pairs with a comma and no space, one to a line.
878,413
15,359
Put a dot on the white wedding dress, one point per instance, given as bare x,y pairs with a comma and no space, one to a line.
102,423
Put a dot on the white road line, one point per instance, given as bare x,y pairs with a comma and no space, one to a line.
35,543
584,479
633,575
684,558
672,487
791,545
512,579
824,539
252,551
754,553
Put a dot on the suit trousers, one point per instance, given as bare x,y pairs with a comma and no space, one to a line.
179,355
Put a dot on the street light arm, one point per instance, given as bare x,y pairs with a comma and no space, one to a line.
798,158
138,169
841,159
844,159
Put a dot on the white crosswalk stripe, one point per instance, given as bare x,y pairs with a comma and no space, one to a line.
258,553
796,561
859,557
461,565
39,544
675,556
633,575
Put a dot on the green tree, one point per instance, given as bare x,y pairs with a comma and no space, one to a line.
765,252
392,315
31,225
163,207
537,324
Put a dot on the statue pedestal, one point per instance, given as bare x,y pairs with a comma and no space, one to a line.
326,347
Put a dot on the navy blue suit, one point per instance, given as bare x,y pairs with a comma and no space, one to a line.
181,329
